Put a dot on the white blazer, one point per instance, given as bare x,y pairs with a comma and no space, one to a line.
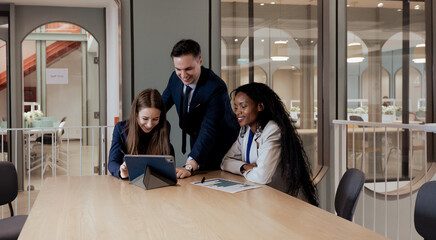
264,151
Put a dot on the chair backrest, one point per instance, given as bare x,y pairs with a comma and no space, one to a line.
425,211
356,118
8,184
60,130
348,193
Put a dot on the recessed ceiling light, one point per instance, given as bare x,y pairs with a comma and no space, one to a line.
348,5
262,40
380,5
236,39
399,10
262,4
417,7
273,2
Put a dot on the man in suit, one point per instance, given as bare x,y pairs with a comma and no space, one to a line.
204,110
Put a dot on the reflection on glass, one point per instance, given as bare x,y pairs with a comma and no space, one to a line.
285,56
375,83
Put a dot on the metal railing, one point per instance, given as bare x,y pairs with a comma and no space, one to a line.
50,152
395,162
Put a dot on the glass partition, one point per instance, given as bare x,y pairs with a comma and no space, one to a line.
284,49
61,89
4,98
386,83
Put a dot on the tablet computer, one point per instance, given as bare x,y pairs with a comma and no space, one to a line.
151,171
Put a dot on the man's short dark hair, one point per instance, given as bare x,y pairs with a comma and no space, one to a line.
186,47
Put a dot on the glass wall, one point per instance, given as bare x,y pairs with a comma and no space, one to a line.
386,82
4,99
284,49
376,37
61,89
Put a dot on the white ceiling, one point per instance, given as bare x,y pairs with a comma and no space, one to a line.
61,3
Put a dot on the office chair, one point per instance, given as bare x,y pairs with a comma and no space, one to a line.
356,118
425,211
348,193
10,227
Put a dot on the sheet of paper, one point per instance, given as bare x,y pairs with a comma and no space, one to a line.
225,185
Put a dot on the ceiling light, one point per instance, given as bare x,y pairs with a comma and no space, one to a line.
262,4
262,40
273,2
355,53
419,54
380,5
236,40
280,51
417,7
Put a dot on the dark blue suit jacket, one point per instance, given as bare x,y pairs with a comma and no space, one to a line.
211,123
119,146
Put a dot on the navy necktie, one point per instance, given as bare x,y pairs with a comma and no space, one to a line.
184,113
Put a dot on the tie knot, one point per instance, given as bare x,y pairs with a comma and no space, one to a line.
188,89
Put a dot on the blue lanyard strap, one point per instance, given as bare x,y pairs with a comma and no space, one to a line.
250,141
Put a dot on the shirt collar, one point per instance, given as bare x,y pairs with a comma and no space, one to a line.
193,85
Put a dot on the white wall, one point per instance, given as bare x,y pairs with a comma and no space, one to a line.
113,63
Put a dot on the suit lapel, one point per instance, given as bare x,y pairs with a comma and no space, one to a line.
178,96
195,101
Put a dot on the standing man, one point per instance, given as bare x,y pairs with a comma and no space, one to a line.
204,110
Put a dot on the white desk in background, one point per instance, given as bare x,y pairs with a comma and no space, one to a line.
103,207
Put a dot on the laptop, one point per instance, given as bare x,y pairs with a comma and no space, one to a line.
151,171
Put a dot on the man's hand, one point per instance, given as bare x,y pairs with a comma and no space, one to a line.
182,173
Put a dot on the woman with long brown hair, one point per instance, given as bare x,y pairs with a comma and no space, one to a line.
145,132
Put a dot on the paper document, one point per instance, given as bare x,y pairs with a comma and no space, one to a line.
225,185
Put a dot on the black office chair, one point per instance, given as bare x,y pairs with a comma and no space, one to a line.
10,227
425,211
348,193
356,118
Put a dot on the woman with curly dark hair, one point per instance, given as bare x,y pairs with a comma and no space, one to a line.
268,149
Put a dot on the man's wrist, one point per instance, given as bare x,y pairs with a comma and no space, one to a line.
193,163
189,168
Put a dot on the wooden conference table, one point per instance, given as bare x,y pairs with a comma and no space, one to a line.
103,207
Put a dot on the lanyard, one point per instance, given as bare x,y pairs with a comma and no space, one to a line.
250,141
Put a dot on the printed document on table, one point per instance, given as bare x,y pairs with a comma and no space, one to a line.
225,185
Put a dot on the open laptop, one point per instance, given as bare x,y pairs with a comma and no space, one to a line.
151,171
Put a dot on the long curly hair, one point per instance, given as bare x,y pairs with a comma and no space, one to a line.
296,168
159,142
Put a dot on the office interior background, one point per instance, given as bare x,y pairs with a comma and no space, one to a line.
328,60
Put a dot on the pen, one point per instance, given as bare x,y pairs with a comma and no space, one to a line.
202,180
